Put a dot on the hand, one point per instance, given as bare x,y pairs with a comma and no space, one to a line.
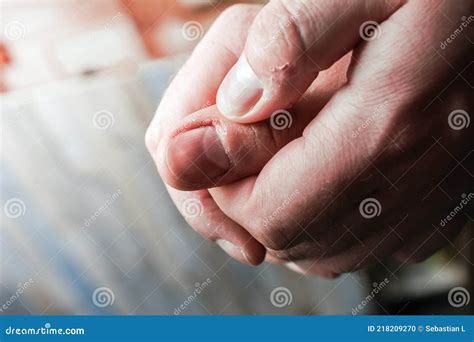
391,138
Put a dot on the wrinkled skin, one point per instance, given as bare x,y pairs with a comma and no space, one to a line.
374,125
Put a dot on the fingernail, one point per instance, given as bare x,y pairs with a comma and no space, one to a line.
227,246
197,155
231,249
240,90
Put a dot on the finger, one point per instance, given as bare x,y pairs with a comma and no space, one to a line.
289,43
309,267
201,212
205,149
318,167
365,252
195,85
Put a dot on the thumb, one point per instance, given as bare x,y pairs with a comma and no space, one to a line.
289,43
206,150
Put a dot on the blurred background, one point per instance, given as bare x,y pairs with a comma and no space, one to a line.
87,226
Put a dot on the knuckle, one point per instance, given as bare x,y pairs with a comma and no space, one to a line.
273,237
299,251
280,25
296,20
270,222
285,24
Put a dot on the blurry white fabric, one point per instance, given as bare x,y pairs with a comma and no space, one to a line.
52,40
